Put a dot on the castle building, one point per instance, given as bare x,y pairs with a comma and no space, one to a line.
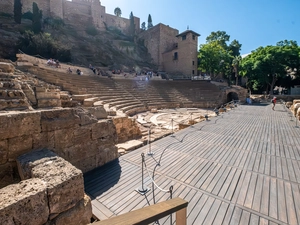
172,52
76,12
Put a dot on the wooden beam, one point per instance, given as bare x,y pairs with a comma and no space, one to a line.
151,213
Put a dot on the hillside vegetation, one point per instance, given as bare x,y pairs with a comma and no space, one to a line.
86,45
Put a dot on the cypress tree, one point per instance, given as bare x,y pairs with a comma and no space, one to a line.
17,11
150,21
36,18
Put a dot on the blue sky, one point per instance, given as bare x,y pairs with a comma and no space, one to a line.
253,23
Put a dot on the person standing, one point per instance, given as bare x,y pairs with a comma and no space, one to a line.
274,103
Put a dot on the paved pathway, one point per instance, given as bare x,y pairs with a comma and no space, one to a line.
242,167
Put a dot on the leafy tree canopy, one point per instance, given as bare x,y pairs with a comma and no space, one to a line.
215,57
268,66
117,11
143,26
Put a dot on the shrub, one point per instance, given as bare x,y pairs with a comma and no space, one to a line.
43,44
27,15
55,23
91,30
8,15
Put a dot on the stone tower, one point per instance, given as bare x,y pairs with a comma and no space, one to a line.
187,52
98,13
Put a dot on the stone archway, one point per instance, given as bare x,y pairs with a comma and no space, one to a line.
232,96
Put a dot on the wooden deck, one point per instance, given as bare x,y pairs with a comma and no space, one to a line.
242,167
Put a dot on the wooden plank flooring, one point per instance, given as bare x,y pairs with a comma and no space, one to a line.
242,167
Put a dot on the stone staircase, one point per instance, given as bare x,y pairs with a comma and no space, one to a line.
131,96
12,96
91,90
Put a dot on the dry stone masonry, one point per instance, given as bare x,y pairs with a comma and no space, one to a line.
52,192
72,133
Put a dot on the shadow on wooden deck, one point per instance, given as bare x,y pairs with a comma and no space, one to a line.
105,183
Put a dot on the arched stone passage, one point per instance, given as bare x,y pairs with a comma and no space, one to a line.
232,96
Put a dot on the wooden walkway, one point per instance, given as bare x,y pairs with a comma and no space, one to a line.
242,167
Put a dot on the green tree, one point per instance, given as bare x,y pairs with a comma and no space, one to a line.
236,66
270,65
235,48
143,26
214,59
131,26
43,44
220,36
17,11
150,24
37,16
118,12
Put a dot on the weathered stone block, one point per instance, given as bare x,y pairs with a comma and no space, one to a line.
45,103
64,182
24,203
47,95
88,102
82,135
28,161
24,64
81,214
18,146
103,129
7,67
57,119
85,117
3,151
43,140
63,138
16,124
99,112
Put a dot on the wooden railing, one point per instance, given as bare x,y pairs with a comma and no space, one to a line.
151,213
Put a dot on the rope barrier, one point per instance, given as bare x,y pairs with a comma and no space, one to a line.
158,163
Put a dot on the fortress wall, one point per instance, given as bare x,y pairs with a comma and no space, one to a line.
151,41
56,9
72,133
78,14
118,22
158,40
43,5
7,6
76,8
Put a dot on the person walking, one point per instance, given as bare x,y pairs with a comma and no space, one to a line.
274,103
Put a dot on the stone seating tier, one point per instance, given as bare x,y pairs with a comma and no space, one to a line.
127,94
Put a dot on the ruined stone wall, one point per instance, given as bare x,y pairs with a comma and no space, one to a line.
52,192
127,129
72,133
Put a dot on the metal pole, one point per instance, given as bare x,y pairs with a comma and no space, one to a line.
172,127
143,190
149,142
171,196
143,160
